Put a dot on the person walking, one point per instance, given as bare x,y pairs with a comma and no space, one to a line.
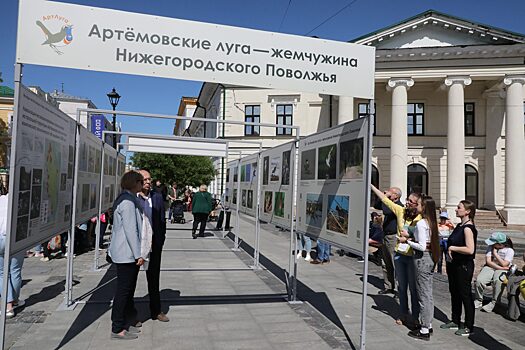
15,269
461,253
498,258
201,208
425,244
172,196
125,252
389,239
153,207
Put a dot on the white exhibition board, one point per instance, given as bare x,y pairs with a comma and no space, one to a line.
133,43
276,186
331,185
232,178
44,158
88,178
248,178
180,147
109,187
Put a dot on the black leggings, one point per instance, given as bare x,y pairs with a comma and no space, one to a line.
201,218
460,287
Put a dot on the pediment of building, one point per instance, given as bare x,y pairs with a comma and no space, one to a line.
434,29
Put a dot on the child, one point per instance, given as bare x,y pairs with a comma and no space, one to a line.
445,227
497,261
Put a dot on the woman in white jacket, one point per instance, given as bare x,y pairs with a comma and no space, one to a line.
426,254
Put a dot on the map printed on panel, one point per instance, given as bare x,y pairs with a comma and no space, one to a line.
331,189
44,154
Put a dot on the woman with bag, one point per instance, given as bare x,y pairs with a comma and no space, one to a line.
125,252
461,253
425,244
202,206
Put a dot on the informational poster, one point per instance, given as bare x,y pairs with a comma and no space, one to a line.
110,178
331,187
249,193
43,174
232,180
276,190
88,181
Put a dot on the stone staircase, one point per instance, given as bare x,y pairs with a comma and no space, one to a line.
488,219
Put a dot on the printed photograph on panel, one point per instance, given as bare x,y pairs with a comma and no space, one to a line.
52,177
249,200
337,214
24,202
93,196
91,159
266,170
234,196
278,209
314,210
111,193
106,164
308,164
254,172
228,175
275,169
106,194
83,158
37,177
243,198
98,161
22,227
351,159
25,179
268,205
243,173
248,172
85,197
235,174
114,167
326,167
67,212
63,179
70,154
36,198
70,170
286,168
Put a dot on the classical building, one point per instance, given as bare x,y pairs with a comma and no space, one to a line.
448,108
187,106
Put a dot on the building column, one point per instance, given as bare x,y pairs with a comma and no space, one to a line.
456,140
398,132
514,207
346,109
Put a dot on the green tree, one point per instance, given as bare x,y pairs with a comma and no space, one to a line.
185,170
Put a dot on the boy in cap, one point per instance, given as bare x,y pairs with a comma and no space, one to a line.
445,228
497,261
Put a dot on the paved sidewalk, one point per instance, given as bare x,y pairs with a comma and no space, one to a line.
232,308
335,290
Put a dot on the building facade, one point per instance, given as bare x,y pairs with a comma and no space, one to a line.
449,113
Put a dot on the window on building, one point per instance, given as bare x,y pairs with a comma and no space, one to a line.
415,118
471,184
417,179
284,117
469,119
252,114
363,110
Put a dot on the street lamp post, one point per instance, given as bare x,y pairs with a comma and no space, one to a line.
114,97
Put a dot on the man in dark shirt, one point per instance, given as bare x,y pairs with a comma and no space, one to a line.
389,240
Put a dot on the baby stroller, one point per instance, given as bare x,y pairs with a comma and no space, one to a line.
177,212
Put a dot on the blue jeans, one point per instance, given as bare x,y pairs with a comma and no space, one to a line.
15,275
406,279
304,243
323,250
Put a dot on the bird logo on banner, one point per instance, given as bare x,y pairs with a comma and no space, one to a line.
59,39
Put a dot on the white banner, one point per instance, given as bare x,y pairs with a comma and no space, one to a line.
183,147
74,36
43,174
331,192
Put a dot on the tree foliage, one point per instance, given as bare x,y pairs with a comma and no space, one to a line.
185,170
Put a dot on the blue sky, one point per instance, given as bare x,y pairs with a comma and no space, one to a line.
157,95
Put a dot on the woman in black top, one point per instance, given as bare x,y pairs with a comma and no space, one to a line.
460,268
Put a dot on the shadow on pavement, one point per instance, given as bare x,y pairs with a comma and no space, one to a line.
483,339
319,301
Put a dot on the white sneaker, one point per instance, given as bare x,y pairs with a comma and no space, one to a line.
489,307
478,304
299,255
308,258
